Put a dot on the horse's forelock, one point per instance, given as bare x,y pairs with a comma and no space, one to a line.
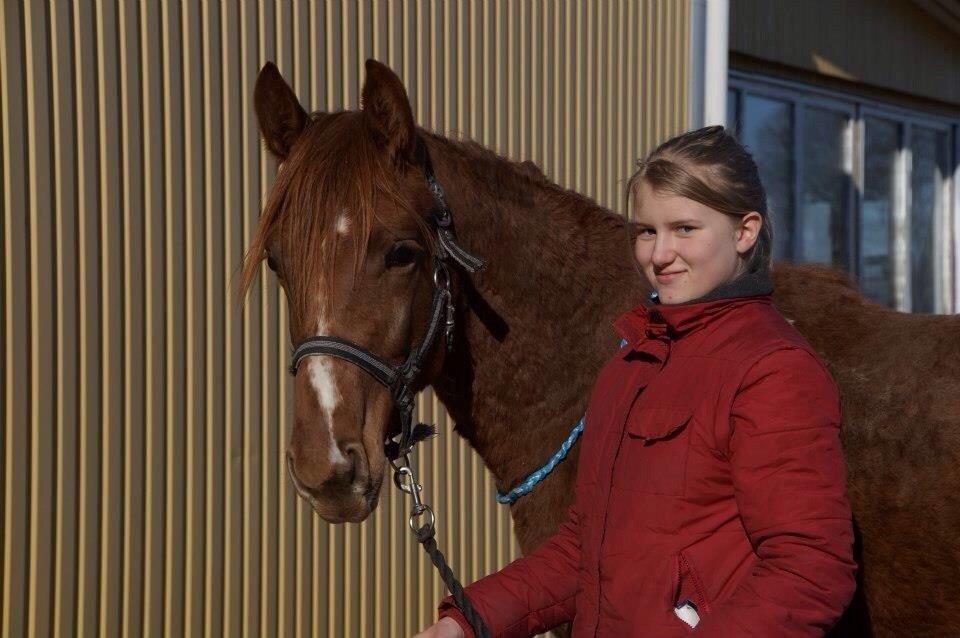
338,169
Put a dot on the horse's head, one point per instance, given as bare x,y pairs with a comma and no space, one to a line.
344,229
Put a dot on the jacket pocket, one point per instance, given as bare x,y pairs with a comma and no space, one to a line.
654,451
689,585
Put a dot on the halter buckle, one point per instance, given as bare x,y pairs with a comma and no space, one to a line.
450,322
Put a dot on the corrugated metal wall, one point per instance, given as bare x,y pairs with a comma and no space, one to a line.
144,417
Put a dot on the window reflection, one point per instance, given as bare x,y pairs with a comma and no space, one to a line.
768,135
876,210
824,188
929,159
732,113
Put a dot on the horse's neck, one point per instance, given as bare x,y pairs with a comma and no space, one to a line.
536,322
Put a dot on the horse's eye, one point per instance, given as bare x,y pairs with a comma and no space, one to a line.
271,264
402,253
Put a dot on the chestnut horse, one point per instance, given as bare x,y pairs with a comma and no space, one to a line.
344,228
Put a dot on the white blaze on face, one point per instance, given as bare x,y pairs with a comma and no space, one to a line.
320,368
320,372
343,223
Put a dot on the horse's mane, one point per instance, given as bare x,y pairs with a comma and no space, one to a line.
518,179
475,152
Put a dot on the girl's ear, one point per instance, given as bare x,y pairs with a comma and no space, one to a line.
748,231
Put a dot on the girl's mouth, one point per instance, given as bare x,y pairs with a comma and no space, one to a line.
668,277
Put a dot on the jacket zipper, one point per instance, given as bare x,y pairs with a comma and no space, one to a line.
609,488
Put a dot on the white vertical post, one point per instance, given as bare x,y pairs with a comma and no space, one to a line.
718,51
696,55
953,217
708,52
901,223
943,230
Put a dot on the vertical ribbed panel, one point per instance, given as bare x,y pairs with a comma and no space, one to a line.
144,415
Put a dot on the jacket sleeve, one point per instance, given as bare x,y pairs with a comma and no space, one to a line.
789,482
533,593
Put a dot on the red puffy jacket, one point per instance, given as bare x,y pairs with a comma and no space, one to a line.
710,470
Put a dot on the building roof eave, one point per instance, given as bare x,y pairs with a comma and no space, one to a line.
947,12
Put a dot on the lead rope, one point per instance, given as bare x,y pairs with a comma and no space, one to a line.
404,479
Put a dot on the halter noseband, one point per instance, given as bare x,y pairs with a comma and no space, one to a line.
399,379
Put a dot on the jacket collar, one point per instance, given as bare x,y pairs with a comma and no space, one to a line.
654,320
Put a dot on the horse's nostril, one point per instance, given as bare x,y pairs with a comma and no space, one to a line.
305,490
348,475
354,452
354,449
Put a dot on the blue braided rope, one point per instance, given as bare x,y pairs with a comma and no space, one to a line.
537,475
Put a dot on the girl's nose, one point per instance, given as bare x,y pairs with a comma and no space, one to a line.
663,252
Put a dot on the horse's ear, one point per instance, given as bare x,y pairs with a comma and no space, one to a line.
281,117
385,100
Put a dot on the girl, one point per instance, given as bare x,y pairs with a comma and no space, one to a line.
710,497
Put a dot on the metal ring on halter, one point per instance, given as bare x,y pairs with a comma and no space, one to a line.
441,268
402,466
427,528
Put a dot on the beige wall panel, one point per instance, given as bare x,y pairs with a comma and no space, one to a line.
879,43
144,415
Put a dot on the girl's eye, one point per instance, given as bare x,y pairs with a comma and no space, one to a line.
402,253
645,231
685,229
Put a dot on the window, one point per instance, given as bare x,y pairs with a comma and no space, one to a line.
928,155
824,187
768,136
857,184
881,141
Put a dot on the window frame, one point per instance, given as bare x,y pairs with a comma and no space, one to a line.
856,109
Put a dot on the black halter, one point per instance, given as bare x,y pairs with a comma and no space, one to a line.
399,379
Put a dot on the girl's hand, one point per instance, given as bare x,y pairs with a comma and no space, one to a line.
444,628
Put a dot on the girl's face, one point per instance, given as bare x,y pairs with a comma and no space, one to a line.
687,249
